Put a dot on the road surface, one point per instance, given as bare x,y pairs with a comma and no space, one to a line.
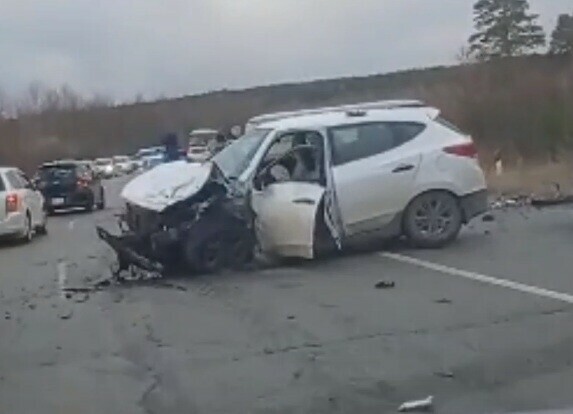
483,326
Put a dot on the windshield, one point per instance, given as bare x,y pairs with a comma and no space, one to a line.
59,173
102,161
235,158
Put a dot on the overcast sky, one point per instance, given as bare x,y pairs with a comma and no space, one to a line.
178,47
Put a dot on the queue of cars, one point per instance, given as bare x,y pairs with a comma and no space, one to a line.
326,175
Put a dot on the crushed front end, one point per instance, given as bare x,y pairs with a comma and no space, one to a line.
205,231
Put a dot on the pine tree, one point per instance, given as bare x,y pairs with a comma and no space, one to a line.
504,28
562,36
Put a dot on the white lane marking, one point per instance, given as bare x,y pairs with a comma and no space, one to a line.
62,276
452,271
71,224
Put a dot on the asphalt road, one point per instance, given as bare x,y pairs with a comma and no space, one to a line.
484,326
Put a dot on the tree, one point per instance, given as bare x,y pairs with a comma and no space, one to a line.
562,36
504,28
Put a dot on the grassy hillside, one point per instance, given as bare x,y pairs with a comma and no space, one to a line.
524,107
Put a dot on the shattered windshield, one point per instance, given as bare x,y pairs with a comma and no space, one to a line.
235,158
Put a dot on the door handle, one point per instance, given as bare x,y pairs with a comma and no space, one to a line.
309,201
402,168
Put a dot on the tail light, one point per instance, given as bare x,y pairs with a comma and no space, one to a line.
82,182
467,149
12,203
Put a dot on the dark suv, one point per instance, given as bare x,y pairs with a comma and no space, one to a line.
66,184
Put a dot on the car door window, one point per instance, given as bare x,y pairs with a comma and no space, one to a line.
279,148
306,166
15,183
353,142
24,181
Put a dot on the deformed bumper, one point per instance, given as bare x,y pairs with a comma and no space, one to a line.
474,204
14,223
127,253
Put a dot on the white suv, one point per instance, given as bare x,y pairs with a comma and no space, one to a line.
327,178
22,211
378,169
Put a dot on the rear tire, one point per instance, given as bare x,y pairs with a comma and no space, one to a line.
432,219
90,205
101,204
42,229
28,234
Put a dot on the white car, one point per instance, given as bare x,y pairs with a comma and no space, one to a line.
201,142
333,177
22,212
105,167
123,164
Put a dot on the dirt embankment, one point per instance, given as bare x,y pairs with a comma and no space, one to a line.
520,108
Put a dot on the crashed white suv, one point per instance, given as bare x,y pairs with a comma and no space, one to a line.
333,176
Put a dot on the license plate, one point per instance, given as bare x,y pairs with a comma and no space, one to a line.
58,201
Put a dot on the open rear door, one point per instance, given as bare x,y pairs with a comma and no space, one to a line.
285,217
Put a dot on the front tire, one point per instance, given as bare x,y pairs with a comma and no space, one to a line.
208,256
433,219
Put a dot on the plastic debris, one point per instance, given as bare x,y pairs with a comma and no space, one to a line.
418,405
444,301
67,314
385,284
487,218
444,374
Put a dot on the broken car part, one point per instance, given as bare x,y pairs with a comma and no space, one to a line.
181,214
418,405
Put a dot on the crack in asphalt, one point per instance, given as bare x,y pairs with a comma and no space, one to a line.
354,338
143,401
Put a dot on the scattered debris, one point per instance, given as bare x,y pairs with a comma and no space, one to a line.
65,315
444,301
80,289
68,295
268,351
418,405
385,284
7,315
31,306
444,374
488,218
297,374
81,298
547,202
503,202
291,317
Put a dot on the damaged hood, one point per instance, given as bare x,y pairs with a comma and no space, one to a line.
167,184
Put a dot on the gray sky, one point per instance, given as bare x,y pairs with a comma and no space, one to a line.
178,47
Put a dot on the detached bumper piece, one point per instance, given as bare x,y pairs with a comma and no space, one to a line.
550,202
127,254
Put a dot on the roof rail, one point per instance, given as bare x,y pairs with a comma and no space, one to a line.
388,104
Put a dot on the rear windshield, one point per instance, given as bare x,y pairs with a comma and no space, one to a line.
60,173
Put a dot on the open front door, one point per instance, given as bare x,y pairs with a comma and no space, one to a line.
285,217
